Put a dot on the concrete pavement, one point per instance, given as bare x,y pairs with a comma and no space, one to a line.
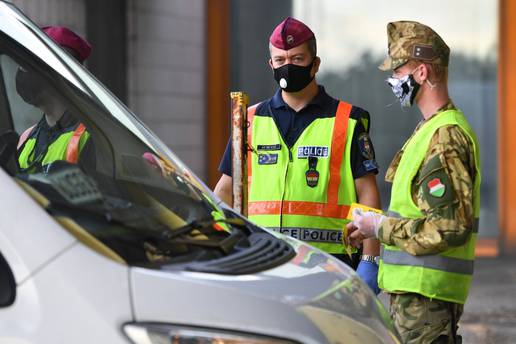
490,312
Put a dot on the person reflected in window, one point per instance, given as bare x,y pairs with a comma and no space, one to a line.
58,135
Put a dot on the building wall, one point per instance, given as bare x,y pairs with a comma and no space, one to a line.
166,69
237,48
251,25
70,13
165,65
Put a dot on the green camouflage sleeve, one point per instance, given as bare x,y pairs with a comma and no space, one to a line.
443,191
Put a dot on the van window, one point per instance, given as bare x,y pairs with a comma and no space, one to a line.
101,174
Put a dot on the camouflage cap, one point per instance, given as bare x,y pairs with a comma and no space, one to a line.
412,40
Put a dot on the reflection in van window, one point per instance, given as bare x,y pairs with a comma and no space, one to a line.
57,136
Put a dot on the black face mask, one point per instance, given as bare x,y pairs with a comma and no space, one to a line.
293,78
29,86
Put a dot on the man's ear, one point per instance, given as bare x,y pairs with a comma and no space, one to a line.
317,64
270,63
421,73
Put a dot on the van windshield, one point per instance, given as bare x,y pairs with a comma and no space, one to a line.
93,165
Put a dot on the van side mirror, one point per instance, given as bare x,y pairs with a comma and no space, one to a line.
7,284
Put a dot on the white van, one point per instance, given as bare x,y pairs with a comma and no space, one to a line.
129,246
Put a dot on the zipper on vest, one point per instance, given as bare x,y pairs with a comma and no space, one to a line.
290,159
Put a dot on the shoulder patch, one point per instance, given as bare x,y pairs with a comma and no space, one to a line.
366,148
435,185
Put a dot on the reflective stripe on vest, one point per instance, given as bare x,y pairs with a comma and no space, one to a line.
66,147
445,276
310,234
72,150
279,197
298,208
434,261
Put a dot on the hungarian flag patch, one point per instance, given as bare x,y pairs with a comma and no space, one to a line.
436,188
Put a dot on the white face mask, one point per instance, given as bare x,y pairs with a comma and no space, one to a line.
405,89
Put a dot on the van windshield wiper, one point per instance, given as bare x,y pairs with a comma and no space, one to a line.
201,226
225,245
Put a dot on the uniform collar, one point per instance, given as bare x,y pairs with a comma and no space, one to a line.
66,121
448,106
320,100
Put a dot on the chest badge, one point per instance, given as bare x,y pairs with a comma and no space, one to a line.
312,175
274,147
267,159
315,151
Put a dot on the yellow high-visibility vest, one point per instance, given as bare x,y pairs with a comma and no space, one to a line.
288,195
66,147
444,276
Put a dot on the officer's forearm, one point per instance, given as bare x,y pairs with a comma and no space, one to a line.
224,188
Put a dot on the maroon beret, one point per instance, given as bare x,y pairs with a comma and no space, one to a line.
69,39
290,33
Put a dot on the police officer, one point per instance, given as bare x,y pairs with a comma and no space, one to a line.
58,135
429,235
312,155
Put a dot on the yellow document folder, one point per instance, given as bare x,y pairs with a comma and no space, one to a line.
352,207
364,208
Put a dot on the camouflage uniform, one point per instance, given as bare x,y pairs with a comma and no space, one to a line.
419,319
448,220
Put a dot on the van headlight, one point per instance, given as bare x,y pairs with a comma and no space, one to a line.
149,333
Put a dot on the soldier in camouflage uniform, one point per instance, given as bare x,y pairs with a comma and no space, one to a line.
442,188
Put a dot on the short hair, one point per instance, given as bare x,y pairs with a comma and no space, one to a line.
312,46
437,72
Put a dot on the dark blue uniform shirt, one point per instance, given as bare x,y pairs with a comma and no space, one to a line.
291,124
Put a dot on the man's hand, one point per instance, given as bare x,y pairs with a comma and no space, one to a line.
364,225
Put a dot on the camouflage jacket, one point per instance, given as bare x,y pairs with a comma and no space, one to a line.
447,221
